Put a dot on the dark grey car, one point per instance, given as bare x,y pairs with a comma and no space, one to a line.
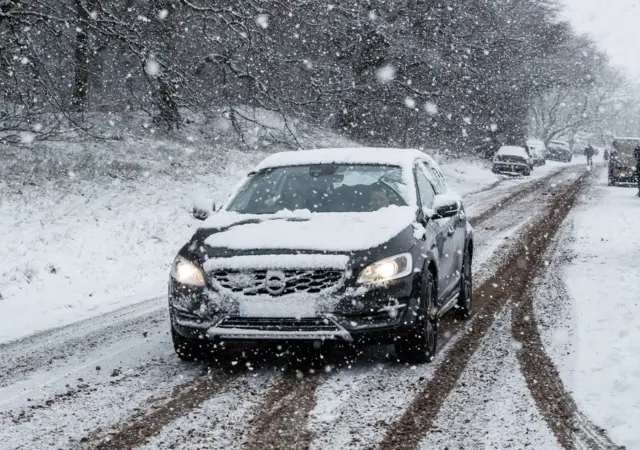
343,245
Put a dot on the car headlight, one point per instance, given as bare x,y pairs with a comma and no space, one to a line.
387,269
186,272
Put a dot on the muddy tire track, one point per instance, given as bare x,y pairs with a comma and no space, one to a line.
152,417
509,200
570,426
282,421
511,281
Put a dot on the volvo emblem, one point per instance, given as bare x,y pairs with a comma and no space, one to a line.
275,282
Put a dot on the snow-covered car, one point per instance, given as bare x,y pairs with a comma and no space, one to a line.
511,159
342,245
559,151
538,151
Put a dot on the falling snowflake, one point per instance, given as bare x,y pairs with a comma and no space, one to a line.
162,14
409,102
431,108
386,74
152,67
373,16
263,21
494,127
93,15
27,137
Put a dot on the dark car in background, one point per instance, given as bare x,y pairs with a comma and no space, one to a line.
512,160
334,246
559,151
622,163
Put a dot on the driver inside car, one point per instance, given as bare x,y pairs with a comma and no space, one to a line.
379,200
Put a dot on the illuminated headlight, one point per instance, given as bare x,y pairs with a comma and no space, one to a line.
387,269
186,272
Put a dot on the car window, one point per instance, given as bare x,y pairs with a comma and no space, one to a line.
425,189
324,188
434,176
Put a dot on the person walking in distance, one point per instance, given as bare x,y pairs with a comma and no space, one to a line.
636,153
589,151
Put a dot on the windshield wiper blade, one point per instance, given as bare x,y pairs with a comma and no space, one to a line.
257,220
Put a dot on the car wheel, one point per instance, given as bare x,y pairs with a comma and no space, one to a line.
526,173
191,349
465,299
419,344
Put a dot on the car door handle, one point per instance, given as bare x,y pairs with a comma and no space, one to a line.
451,231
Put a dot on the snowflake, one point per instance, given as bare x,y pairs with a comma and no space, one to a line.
431,108
386,74
262,21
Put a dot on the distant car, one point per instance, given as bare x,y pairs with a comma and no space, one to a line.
512,160
336,245
622,162
538,150
559,151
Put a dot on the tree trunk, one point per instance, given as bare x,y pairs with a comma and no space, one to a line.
81,58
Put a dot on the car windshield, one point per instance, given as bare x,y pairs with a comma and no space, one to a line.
321,188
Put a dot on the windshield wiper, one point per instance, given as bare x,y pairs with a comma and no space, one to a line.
257,220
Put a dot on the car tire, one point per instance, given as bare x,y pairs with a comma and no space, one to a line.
191,349
465,298
526,173
418,345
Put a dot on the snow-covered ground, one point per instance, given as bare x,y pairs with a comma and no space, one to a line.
593,333
70,251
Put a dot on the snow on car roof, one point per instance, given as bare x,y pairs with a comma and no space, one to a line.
535,143
513,150
384,156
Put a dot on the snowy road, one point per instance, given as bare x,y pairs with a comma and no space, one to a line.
114,382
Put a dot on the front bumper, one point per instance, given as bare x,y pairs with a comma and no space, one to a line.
625,176
510,168
349,315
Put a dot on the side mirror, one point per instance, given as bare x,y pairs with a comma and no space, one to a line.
199,213
445,206
421,218
201,210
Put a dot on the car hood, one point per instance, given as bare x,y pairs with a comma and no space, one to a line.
305,231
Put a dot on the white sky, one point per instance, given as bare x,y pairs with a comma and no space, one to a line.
614,25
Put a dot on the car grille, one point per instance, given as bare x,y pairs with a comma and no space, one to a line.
310,324
252,283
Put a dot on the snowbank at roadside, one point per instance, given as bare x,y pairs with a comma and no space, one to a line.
78,248
594,337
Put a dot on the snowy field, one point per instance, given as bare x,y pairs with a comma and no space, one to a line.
593,332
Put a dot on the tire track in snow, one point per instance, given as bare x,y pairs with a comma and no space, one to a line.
282,420
571,427
510,281
149,421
